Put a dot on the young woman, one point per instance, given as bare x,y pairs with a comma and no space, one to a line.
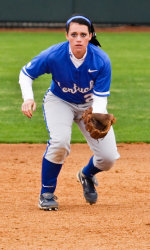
81,77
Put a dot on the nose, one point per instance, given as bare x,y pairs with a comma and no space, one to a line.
78,38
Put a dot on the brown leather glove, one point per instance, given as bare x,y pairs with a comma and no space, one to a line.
97,124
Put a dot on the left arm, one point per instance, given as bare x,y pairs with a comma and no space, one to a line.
102,88
99,104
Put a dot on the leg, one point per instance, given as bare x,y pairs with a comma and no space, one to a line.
105,150
105,154
50,172
58,117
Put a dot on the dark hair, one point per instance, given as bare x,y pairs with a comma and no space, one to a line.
85,21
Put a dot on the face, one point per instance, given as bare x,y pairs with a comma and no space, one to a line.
78,37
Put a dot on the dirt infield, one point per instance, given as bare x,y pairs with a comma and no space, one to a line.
119,220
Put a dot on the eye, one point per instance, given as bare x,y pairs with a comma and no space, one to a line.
73,34
83,34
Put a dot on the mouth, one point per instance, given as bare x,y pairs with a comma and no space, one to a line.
79,46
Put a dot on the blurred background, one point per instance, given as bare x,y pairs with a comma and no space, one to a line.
50,13
28,27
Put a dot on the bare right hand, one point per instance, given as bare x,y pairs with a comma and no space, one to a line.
27,107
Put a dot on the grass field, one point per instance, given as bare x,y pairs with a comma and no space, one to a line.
130,91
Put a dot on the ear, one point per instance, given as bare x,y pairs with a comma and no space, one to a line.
67,36
90,36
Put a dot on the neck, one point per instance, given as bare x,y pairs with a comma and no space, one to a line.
78,54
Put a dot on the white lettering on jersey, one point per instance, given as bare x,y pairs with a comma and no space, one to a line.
76,89
88,97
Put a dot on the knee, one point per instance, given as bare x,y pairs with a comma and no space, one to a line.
105,163
62,149
58,150
59,155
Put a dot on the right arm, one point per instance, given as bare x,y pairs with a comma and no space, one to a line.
29,104
35,68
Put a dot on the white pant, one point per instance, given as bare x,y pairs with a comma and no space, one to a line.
59,116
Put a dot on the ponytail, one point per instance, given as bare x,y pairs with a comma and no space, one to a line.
93,39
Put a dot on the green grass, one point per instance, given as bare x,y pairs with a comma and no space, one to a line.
129,100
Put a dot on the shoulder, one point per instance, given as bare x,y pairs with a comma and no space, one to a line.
55,49
97,52
58,47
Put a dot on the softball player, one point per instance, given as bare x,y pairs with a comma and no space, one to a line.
81,77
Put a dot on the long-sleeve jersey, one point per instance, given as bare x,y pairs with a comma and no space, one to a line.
75,85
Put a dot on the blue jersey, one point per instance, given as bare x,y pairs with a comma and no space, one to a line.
69,83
